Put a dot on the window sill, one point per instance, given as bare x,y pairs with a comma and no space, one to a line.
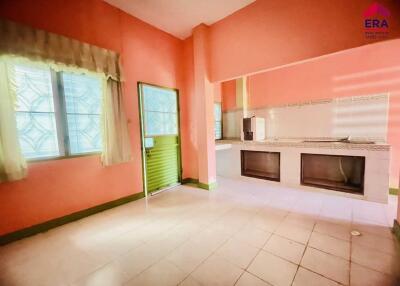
62,157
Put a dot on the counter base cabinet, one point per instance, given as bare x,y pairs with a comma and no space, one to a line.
260,164
352,170
333,172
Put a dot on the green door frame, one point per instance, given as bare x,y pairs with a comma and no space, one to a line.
143,149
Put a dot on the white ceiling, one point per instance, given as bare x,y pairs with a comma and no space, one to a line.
178,17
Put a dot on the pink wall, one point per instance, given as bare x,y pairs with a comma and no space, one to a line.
267,34
56,188
228,90
371,69
217,92
204,104
188,112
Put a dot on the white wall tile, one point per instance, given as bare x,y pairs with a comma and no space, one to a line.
359,117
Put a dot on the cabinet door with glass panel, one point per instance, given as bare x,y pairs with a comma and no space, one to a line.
57,113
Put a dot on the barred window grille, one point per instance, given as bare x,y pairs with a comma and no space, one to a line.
57,113
218,120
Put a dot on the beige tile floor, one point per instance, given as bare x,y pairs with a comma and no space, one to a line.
247,232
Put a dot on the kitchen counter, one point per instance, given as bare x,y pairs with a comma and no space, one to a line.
377,161
225,144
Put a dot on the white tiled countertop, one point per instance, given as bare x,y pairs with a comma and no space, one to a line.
224,144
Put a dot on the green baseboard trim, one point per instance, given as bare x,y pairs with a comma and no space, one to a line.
396,229
195,182
190,181
209,187
394,191
45,226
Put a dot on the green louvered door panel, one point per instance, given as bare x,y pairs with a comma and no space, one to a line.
161,137
162,164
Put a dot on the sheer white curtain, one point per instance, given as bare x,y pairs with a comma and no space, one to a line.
12,162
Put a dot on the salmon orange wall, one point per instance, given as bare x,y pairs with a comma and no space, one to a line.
267,34
371,69
217,92
188,112
60,187
228,91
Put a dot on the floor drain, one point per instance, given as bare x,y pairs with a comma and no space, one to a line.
355,233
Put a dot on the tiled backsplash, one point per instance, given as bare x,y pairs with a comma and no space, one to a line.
363,117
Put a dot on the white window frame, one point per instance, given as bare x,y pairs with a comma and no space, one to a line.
61,122
215,121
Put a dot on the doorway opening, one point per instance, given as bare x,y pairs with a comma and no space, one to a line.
160,134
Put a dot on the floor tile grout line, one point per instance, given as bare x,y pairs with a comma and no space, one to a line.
371,269
304,251
331,254
252,274
331,236
202,262
273,233
246,269
364,245
240,276
350,228
299,265
260,250
231,237
160,259
319,274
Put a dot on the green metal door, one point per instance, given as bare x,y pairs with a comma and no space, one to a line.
160,131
